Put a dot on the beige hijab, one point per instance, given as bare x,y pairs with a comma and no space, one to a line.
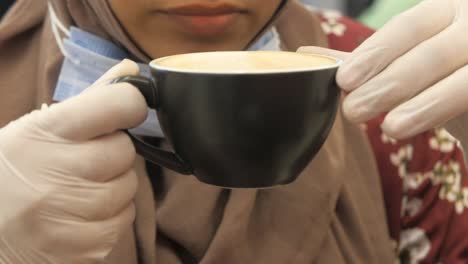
332,214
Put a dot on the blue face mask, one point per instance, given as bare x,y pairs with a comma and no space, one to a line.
87,57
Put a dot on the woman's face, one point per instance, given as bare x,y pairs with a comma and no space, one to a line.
167,27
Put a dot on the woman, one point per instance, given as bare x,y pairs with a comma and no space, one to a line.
73,196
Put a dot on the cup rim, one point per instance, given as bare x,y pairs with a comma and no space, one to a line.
153,64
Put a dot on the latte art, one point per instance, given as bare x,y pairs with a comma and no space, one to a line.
244,62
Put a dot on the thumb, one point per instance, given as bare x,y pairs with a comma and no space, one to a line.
327,52
103,109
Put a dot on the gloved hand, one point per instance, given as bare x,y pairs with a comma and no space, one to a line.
67,182
414,68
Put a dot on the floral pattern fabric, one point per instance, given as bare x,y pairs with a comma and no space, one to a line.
424,178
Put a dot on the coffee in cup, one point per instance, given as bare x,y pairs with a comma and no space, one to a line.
243,62
240,119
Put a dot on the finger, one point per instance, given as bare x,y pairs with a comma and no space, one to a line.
125,67
324,51
95,113
397,37
433,107
98,160
398,82
110,231
90,241
91,201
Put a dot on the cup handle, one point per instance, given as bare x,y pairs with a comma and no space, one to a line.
156,155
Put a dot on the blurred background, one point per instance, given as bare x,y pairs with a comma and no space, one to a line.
374,13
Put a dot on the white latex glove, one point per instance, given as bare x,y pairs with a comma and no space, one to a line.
414,68
67,182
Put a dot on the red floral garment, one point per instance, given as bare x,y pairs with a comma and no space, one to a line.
423,178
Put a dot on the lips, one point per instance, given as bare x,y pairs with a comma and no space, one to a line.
204,19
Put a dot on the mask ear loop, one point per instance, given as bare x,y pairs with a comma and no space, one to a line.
268,25
57,25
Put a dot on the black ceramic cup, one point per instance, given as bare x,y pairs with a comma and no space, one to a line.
236,121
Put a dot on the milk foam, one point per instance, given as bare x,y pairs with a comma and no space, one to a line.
244,61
